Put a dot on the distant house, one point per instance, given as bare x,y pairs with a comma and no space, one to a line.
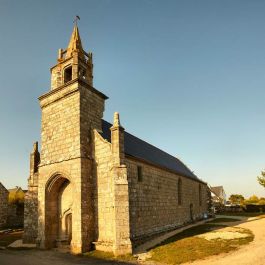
16,195
218,195
3,205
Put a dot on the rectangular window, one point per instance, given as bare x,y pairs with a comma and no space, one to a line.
179,191
139,174
200,195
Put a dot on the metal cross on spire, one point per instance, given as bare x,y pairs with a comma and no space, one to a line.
76,19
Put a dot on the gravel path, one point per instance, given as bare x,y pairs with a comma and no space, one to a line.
251,254
38,257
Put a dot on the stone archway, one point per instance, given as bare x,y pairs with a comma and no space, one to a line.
58,211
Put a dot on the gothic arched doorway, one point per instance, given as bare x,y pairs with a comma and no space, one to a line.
58,217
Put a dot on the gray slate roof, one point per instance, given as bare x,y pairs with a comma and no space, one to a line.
140,149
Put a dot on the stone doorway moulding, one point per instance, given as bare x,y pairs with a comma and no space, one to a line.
58,211
68,226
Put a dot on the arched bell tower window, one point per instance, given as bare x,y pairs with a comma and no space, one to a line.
67,74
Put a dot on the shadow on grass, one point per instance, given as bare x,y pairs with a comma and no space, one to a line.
191,232
188,246
234,220
243,214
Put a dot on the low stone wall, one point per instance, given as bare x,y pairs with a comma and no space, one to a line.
3,206
31,215
15,215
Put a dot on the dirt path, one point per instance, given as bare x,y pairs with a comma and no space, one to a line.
251,254
49,257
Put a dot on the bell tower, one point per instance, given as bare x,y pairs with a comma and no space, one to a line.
71,110
73,62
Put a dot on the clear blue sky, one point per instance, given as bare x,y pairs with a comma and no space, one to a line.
186,76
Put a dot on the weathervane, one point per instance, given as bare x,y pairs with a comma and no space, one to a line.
76,19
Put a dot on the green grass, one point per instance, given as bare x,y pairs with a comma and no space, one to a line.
7,239
108,256
223,220
186,247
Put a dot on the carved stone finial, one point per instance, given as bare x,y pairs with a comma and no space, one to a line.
60,54
116,121
75,44
35,147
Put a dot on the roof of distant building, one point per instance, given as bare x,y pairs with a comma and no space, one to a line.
16,189
218,190
3,187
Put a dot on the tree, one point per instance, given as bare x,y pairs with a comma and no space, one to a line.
16,197
252,200
261,179
236,199
261,201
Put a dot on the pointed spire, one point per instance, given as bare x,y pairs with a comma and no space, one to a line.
75,43
116,120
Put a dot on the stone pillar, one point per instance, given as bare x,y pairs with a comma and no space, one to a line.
122,243
34,161
31,199
117,141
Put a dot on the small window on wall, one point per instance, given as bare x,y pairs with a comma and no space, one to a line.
139,173
179,191
68,74
200,194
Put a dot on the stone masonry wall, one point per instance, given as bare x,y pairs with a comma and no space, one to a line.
103,196
61,158
111,196
60,129
31,215
3,206
15,216
31,199
154,204
69,114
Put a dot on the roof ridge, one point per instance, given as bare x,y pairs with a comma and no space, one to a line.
159,150
149,144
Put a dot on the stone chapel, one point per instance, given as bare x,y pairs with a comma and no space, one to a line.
94,185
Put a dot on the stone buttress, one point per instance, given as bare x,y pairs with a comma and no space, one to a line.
31,199
112,198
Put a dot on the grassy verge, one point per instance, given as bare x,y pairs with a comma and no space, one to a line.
109,256
243,214
186,246
7,239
